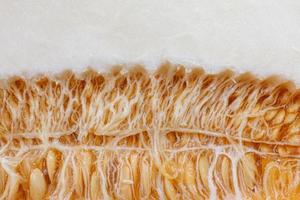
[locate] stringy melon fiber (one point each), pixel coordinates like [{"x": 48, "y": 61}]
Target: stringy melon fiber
[{"x": 174, "y": 133}]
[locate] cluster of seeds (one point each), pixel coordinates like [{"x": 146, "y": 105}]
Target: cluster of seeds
[{"x": 175, "y": 133}]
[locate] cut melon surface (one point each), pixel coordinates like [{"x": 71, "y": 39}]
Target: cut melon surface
[{"x": 174, "y": 133}]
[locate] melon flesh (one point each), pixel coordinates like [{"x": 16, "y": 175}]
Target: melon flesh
[{"x": 175, "y": 133}]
